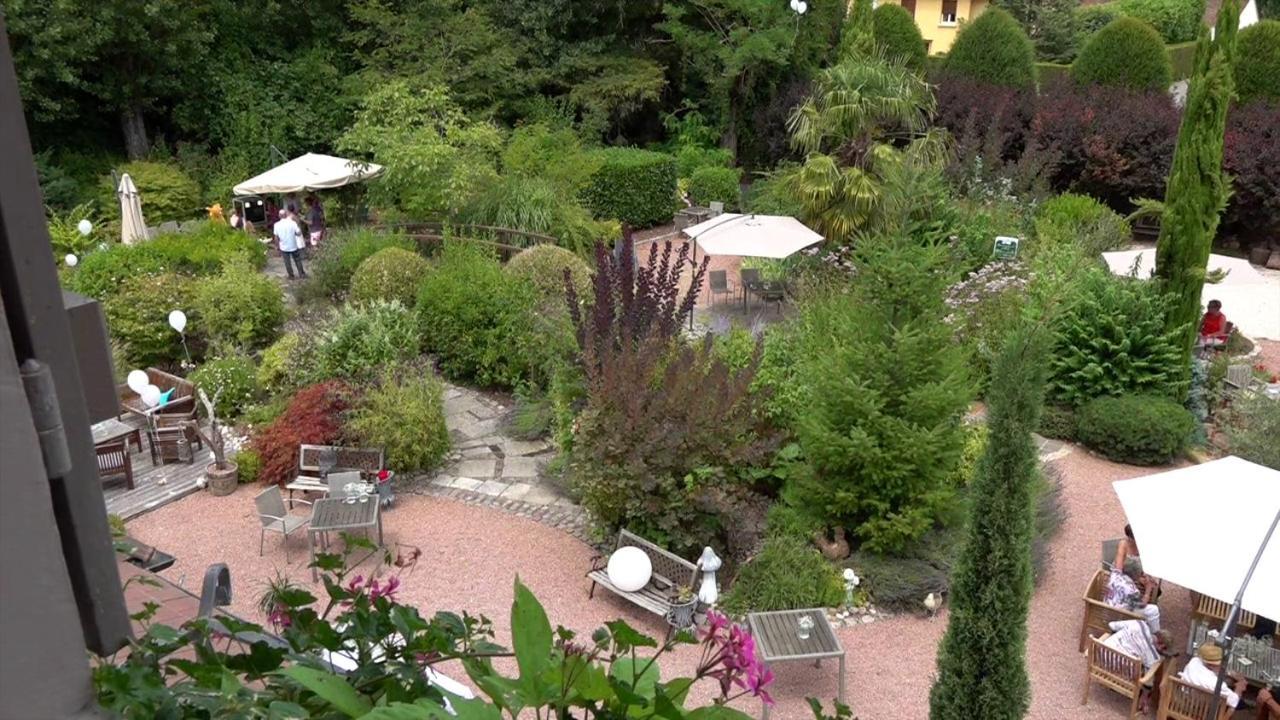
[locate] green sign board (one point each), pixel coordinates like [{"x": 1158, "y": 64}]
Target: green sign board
[{"x": 1006, "y": 248}]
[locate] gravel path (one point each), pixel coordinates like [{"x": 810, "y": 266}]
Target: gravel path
[{"x": 471, "y": 555}]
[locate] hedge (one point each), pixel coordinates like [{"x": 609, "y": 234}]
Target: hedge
[
  {"x": 711, "y": 184},
  {"x": 1049, "y": 73},
  {"x": 1176, "y": 20},
  {"x": 634, "y": 186},
  {"x": 1182, "y": 57},
  {"x": 897, "y": 36},
  {"x": 1135, "y": 429},
  {"x": 1257, "y": 62},
  {"x": 1127, "y": 53},
  {"x": 994, "y": 49}
]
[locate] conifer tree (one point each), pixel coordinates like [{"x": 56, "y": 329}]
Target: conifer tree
[
  {"x": 1197, "y": 190},
  {"x": 982, "y": 670},
  {"x": 856, "y": 36}
]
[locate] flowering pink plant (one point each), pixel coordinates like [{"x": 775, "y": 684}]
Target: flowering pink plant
[{"x": 729, "y": 656}]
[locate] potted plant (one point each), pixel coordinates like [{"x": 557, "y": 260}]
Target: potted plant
[
  {"x": 221, "y": 473},
  {"x": 684, "y": 603}
]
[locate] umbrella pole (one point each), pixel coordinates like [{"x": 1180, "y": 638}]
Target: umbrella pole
[{"x": 1229, "y": 628}]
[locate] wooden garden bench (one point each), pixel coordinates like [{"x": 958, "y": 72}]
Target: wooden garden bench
[
  {"x": 312, "y": 466},
  {"x": 1098, "y": 615},
  {"x": 669, "y": 571}
]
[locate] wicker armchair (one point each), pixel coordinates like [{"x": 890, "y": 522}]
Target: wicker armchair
[
  {"x": 1120, "y": 672},
  {"x": 113, "y": 462}
]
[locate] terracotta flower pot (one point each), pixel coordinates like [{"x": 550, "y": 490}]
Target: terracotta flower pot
[{"x": 224, "y": 481}]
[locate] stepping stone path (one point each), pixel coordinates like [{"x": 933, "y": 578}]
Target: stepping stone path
[{"x": 487, "y": 467}]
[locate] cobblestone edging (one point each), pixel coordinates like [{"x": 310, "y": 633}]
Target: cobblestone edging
[{"x": 568, "y": 518}]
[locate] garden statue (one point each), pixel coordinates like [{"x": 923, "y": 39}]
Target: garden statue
[
  {"x": 851, "y": 582},
  {"x": 709, "y": 563}
]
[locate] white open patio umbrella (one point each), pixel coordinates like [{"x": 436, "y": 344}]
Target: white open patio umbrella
[
  {"x": 1202, "y": 526},
  {"x": 132, "y": 227},
  {"x": 765, "y": 236},
  {"x": 312, "y": 171}
]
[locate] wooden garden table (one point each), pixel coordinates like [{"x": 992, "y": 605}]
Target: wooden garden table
[{"x": 778, "y": 640}]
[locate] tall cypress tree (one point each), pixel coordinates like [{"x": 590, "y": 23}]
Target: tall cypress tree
[
  {"x": 856, "y": 36},
  {"x": 1197, "y": 190},
  {"x": 982, "y": 670}
]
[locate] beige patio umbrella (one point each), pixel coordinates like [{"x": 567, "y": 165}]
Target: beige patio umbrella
[{"x": 132, "y": 227}]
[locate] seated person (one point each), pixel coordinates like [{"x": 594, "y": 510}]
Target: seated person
[
  {"x": 1134, "y": 638},
  {"x": 1214, "y": 328},
  {"x": 1128, "y": 590},
  {"x": 1202, "y": 672},
  {"x": 1268, "y": 706},
  {"x": 1127, "y": 552}
]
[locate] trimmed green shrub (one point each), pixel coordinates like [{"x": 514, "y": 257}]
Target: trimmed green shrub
[
  {"x": 543, "y": 267},
  {"x": 1135, "y": 429},
  {"x": 167, "y": 193},
  {"x": 994, "y": 49},
  {"x": 786, "y": 520},
  {"x": 405, "y": 417},
  {"x": 690, "y": 157},
  {"x": 138, "y": 318},
  {"x": 240, "y": 308},
  {"x": 637, "y": 187},
  {"x": 1176, "y": 20},
  {"x": 1253, "y": 426},
  {"x": 897, "y": 36},
  {"x": 392, "y": 273},
  {"x": 1058, "y": 422},
  {"x": 1257, "y": 62},
  {"x": 233, "y": 379},
  {"x": 477, "y": 319},
  {"x": 357, "y": 341},
  {"x": 337, "y": 258},
  {"x": 710, "y": 184},
  {"x": 788, "y": 574},
  {"x": 1082, "y": 222},
  {"x": 248, "y": 465},
  {"x": 1128, "y": 53},
  {"x": 1112, "y": 341}
]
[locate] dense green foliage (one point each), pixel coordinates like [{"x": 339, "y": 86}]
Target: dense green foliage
[
  {"x": 1176, "y": 20},
  {"x": 635, "y": 186},
  {"x": 544, "y": 266},
  {"x": 1253, "y": 427},
  {"x": 887, "y": 383},
  {"x": 232, "y": 379},
  {"x": 982, "y": 670},
  {"x": 404, "y": 415},
  {"x": 1127, "y": 53},
  {"x": 897, "y": 36},
  {"x": 1135, "y": 429},
  {"x": 1112, "y": 341},
  {"x": 248, "y": 465},
  {"x": 1082, "y": 222},
  {"x": 1051, "y": 24},
  {"x": 358, "y": 341},
  {"x": 710, "y": 184},
  {"x": 392, "y": 273},
  {"x": 333, "y": 265},
  {"x": 138, "y": 318},
  {"x": 1089, "y": 19},
  {"x": 283, "y": 363},
  {"x": 477, "y": 320},
  {"x": 538, "y": 205},
  {"x": 240, "y": 308},
  {"x": 787, "y": 574},
  {"x": 167, "y": 193},
  {"x": 993, "y": 49},
  {"x": 1198, "y": 189},
  {"x": 1257, "y": 65}
]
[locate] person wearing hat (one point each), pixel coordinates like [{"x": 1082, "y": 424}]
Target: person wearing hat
[{"x": 1202, "y": 672}]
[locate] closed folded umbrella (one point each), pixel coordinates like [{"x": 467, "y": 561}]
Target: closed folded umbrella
[{"x": 132, "y": 227}]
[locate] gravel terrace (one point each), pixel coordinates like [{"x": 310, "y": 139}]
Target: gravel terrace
[{"x": 471, "y": 555}]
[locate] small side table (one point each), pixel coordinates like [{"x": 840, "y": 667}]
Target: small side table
[{"x": 778, "y": 640}]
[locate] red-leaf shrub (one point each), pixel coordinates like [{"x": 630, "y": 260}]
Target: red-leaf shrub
[
  {"x": 313, "y": 417},
  {"x": 1251, "y": 157},
  {"x": 970, "y": 107}
]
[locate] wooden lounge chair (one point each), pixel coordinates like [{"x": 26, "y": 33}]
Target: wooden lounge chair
[
  {"x": 1098, "y": 615},
  {"x": 669, "y": 571},
  {"x": 113, "y": 462},
  {"x": 182, "y": 401},
  {"x": 1180, "y": 700},
  {"x": 1118, "y": 671},
  {"x": 275, "y": 516}
]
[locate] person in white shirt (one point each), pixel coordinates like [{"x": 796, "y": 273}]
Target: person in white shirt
[
  {"x": 1135, "y": 639},
  {"x": 1202, "y": 672},
  {"x": 289, "y": 238}
]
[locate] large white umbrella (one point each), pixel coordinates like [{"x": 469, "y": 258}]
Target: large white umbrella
[
  {"x": 1202, "y": 526},
  {"x": 312, "y": 171},
  {"x": 1249, "y": 299},
  {"x": 132, "y": 227},
  {"x": 765, "y": 236}
]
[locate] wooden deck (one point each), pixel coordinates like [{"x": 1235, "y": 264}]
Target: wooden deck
[{"x": 154, "y": 486}]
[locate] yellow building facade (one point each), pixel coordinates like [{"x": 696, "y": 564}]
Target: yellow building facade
[{"x": 939, "y": 20}]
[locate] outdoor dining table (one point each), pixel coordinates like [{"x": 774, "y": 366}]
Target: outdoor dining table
[
  {"x": 777, "y": 636},
  {"x": 336, "y": 514},
  {"x": 111, "y": 429},
  {"x": 1259, "y": 662},
  {"x": 767, "y": 290}
]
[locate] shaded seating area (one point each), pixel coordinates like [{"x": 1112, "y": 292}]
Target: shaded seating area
[
  {"x": 1119, "y": 672},
  {"x": 1180, "y": 700}
]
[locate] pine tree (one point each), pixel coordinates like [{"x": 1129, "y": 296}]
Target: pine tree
[
  {"x": 1197, "y": 190},
  {"x": 856, "y": 36},
  {"x": 982, "y": 670}
]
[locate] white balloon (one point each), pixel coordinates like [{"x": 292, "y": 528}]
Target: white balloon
[
  {"x": 802, "y": 7},
  {"x": 178, "y": 320},
  {"x": 137, "y": 380},
  {"x": 85, "y": 227},
  {"x": 71, "y": 260},
  {"x": 795, "y": 5},
  {"x": 150, "y": 395}
]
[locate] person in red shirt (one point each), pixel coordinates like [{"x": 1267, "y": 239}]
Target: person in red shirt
[{"x": 1214, "y": 328}]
